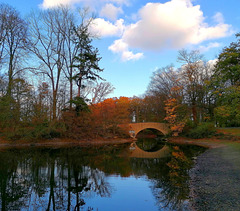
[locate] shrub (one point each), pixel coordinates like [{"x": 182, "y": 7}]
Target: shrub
[
  {"x": 202, "y": 131},
  {"x": 188, "y": 127},
  {"x": 37, "y": 131}
]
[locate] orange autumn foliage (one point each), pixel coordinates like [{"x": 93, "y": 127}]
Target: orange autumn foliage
[
  {"x": 110, "y": 113},
  {"x": 173, "y": 109}
]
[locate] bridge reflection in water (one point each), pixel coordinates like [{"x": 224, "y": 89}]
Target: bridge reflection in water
[{"x": 136, "y": 152}]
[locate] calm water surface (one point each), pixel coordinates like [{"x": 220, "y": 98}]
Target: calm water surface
[{"x": 140, "y": 176}]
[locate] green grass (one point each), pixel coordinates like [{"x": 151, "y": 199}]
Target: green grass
[
  {"x": 234, "y": 145},
  {"x": 235, "y": 131}
]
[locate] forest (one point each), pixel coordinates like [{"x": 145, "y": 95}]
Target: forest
[{"x": 51, "y": 84}]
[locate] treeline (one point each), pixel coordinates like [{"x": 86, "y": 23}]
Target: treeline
[
  {"x": 49, "y": 69},
  {"x": 51, "y": 84},
  {"x": 200, "y": 91},
  {"x": 196, "y": 97}
]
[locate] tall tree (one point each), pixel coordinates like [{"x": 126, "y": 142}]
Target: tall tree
[
  {"x": 226, "y": 85},
  {"x": 71, "y": 47},
  {"x": 48, "y": 39},
  {"x": 86, "y": 61},
  {"x": 193, "y": 74},
  {"x": 163, "y": 80},
  {"x": 13, "y": 36},
  {"x": 227, "y": 69},
  {"x": 159, "y": 89}
]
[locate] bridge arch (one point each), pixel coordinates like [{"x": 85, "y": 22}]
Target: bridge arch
[{"x": 135, "y": 128}]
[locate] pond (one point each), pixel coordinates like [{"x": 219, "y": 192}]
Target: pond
[{"x": 138, "y": 176}]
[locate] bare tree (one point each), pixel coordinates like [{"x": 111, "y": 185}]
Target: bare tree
[
  {"x": 194, "y": 73},
  {"x": 13, "y": 38},
  {"x": 163, "y": 80},
  {"x": 48, "y": 40},
  {"x": 3, "y": 13},
  {"x": 101, "y": 91}
]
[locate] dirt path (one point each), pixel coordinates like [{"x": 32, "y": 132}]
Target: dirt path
[{"x": 215, "y": 179}]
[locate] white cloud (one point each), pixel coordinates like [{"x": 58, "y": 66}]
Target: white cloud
[
  {"x": 129, "y": 55},
  {"x": 209, "y": 46},
  {"x": 104, "y": 28},
  {"x": 119, "y": 2},
  {"x": 170, "y": 25},
  {"x": 110, "y": 11},
  {"x": 118, "y": 46},
  {"x": 122, "y": 48},
  {"x": 218, "y": 18},
  {"x": 89, "y": 3},
  {"x": 53, "y": 3},
  {"x": 173, "y": 24}
]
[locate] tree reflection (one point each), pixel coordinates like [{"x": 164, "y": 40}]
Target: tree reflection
[
  {"x": 175, "y": 190},
  {"x": 44, "y": 179},
  {"x": 169, "y": 175},
  {"x": 52, "y": 185},
  {"x": 12, "y": 185},
  {"x": 62, "y": 179},
  {"x": 172, "y": 190}
]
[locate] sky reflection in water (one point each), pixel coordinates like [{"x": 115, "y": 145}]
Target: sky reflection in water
[{"x": 96, "y": 178}]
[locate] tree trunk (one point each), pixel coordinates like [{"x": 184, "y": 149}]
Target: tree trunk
[
  {"x": 54, "y": 109},
  {"x": 10, "y": 76},
  {"x": 71, "y": 93},
  {"x": 194, "y": 113},
  {"x": 79, "y": 83}
]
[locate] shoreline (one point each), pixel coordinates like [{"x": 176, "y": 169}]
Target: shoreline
[
  {"x": 60, "y": 142},
  {"x": 214, "y": 176},
  {"x": 213, "y": 180},
  {"x": 209, "y": 143}
]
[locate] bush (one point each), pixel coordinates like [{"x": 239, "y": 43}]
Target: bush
[
  {"x": 188, "y": 127},
  {"x": 44, "y": 130},
  {"x": 203, "y": 130}
]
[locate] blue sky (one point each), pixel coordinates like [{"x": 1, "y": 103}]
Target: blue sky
[{"x": 137, "y": 37}]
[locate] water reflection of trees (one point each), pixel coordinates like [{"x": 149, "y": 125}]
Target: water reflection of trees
[
  {"x": 169, "y": 176},
  {"x": 174, "y": 189},
  {"x": 44, "y": 179},
  {"x": 60, "y": 179}
]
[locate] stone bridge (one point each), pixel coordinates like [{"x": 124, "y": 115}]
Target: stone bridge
[{"x": 135, "y": 128}]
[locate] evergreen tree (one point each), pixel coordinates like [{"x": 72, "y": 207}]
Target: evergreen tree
[{"x": 87, "y": 59}]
